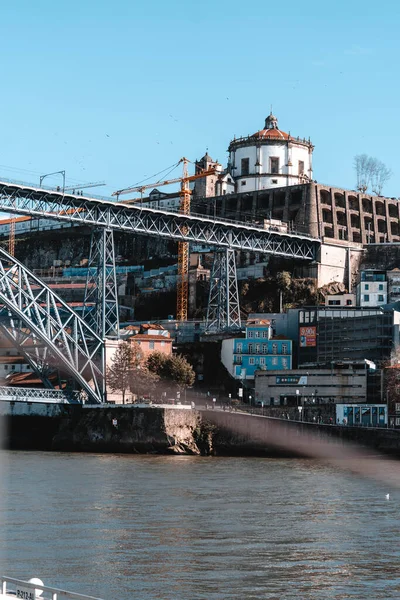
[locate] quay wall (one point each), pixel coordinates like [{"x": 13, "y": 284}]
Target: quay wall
[{"x": 167, "y": 430}]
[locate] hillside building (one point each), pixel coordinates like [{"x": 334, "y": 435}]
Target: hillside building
[
  {"x": 258, "y": 349},
  {"x": 269, "y": 158},
  {"x": 372, "y": 289}
]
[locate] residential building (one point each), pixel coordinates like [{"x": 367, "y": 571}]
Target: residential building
[
  {"x": 372, "y": 288},
  {"x": 343, "y": 299},
  {"x": 258, "y": 349},
  {"x": 152, "y": 337}
]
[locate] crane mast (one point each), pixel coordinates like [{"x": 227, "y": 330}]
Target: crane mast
[
  {"x": 183, "y": 247},
  {"x": 182, "y": 288}
]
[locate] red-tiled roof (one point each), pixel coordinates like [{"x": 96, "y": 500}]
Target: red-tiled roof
[
  {"x": 152, "y": 326},
  {"x": 271, "y": 134},
  {"x": 149, "y": 338}
]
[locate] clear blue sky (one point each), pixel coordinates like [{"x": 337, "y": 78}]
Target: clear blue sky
[{"x": 118, "y": 90}]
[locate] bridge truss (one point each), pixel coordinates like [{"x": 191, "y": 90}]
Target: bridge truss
[
  {"x": 37, "y": 202},
  {"x": 48, "y": 333},
  {"x": 107, "y": 216}
]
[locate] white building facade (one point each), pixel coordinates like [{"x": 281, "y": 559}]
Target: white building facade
[
  {"x": 269, "y": 158},
  {"x": 372, "y": 289}
]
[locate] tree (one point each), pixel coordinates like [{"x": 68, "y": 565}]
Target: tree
[
  {"x": 173, "y": 369},
  {"x": 143, "y": 381},
  {"x": 180, "y": 371},
  {"x": 381, "y": 175},
  {"x": 119, "y": 375},
  {"x": 371, "y": 172},
  {"x": 155, "y": 362},
  {"x": 362, "y": 165}
]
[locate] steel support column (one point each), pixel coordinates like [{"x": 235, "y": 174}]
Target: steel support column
[
  {"x": 223, "y": 311},
  {"x": 101, "y": 296}
]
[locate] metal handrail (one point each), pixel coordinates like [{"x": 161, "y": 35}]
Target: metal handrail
[{"x": 52, "y": 593}]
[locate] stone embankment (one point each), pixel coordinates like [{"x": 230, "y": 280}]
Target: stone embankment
[{"x": 174, "y": 430}]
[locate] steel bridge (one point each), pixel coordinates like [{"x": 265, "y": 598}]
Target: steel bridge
[
  {"x": 220, "y": 233},
  {"x": 51, "y": 331},
  {"x": 47, "y": 332}
]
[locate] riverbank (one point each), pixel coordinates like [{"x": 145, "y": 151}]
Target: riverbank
[{"x": 173, "y": 430}]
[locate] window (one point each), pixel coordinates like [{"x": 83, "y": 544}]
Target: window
[
  {"x": 257, "y": 334},
  {"x": 380, "y": 297},
  {"x": 265, "y": 334},
  {"x": 250, "y": 348},
  {"x": 274, "y": 181},
  {"x": 245, "y": 166},
  {"x": 250, "y": 334},
  {"x": 6, "y": 367},
  {"x": 366, "y": 286},
  {"x": 251, "y": 360},
  {"x": 239, "y": 348},
  {"x": 349, "y": 302},
  {"x": 274, "y": 361},
  {"x": 151, "y": 345},
  {"x": 274, "y": 164},
  {"x": 243, "y": 183},
  {"x": 381, "y": 287},
  {"x": 274, "y": 348},
  {"x": 265, "y": 348},
  {"x": 257, "y": 348},
  {"x": 334, "y": 302},
  {"x": 284, "y": 348},
  {"x": 366, "y": 297},
  {"x": 238, "y": 359},
  {"x": 285, "y": 363},
  {"x": 301, "y": 167}
]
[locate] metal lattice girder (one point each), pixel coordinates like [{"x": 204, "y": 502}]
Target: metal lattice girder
[
  {"x": 37, "y": 202},
  {"x": 51, "y": 334},
  {"x": 223, "y": 311},
  {"x": 101, "y": 296},
  {"x": 38, "y": 395}
]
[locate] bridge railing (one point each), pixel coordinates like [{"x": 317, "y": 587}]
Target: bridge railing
[{"x": 30, "y": 591}]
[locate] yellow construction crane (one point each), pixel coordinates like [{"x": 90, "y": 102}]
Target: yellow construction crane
[
  {"x": 183, "y": 247},
  {"x": 11, "y": 237}
]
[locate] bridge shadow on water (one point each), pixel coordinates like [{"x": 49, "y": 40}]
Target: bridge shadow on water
[{"x": 361, "y": 451}]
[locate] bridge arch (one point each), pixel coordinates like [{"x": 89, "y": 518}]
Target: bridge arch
[{"x": 56, "y": 333}]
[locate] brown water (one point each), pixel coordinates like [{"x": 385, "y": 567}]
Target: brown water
[{"x": 172, "y": 528}]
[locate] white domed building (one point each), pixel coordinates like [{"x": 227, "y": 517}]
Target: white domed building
[{"x": 269, "y": 158}]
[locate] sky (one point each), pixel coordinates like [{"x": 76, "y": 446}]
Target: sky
[{"x": 119, "y": 91}]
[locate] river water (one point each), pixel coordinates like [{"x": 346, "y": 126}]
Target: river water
[{"x": 187, "y": 528}]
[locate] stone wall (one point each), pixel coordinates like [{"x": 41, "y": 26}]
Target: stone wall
[{"x": 179, "y": 431}]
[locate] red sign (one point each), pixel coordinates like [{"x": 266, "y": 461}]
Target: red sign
[{"x": 308, "y": 337}]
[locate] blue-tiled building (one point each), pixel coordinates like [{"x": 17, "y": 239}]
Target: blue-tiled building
[{"x": 257, "y": 350}]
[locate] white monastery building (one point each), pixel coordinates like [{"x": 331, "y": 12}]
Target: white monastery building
[{"x": 268, "y": 158}]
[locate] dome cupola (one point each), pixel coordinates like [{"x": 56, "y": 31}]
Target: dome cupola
[{"x": 271, "y": 122}]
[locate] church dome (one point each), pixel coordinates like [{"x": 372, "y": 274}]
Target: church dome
[{"x": 271, "y": 130}]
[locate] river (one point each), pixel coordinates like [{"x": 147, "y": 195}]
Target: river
[{"x": 126, "y": 527}]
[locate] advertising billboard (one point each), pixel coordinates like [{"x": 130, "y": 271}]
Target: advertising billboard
[{"x": 308, "y": 336}]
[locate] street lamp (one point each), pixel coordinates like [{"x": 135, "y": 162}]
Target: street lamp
[{"x": 54, "y": 173}]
